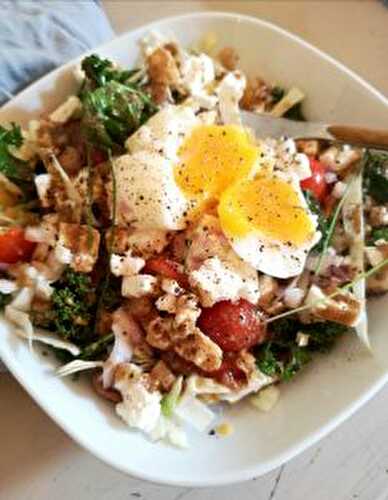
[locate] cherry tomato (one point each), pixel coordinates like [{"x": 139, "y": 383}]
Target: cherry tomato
[
  {"x": 167, "y": 268},
  {"x": 233, "y": 326},
  {"x": 97, "y": 156},
  {"x": 329, "y": 204},
  {"x": 316, "y": 183},
  {"x": 14, "y": 247},
  {"x": 229, "y": 373}
]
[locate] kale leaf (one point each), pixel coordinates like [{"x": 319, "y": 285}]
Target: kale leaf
[
  {"x": 100, "y": 71},
  {"x": 114, "y": 108},
  {"x": 323, "y": 221},
  {"x": 282, "y": 357},
  {"x": 376, "y": 175},
  {"x": 16, "y": 170}
]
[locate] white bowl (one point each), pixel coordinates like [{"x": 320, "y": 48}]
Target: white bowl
[{"x": 328, "y": 391}]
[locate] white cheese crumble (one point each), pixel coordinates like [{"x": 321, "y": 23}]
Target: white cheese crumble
[
  {"x": 126, "y": 265},
  {"x": 217, "y": 280},
  {"x": 140, "y": 408},
  {"x": 230, "y": 91},
  {"x": 42, "y": 184}
]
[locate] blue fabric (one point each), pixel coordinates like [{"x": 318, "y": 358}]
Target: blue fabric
[{"x": 38, "y": 35}]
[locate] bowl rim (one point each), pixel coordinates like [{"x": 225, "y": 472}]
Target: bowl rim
[{"x": 238, "y": 475}]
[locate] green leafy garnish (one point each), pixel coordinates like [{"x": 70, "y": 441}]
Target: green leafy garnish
[
  {"x": 379, "y": 233},
  {"x": 100, "y": 71},
  {"x": 113, "y": 106},
  {"x": 5, "y": 299},
  {"x": 323, "y": 221},
  {"x": 282, "y": 357},
  {"x": 16, "y": 170},
  {"x": 375, "y": 167},
  {"x": 73, "y": 308}
]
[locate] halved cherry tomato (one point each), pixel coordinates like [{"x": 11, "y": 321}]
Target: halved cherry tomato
[
  {"x": 329, "y": 204},
  {"x": 167, "y": 268},
  {"x": 233, "y": 326},
  {"x": 14, "y": 247},
  {"x": 229, "y": 373},
  {"x": 316, "y": 183},
  {"x": 97, "y": 156}
]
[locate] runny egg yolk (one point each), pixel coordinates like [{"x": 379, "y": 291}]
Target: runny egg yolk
[
  {"x": 267, "y": 205},
  {"x": 212, "y": 158}
]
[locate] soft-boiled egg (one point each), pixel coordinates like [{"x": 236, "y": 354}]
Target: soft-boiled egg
[{"x": 268, "y": 223}]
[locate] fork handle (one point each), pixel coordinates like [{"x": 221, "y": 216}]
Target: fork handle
[{"x": 360, "y": 136}]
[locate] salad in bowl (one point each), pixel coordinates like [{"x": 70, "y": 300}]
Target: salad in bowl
[{"x": 183, "y": 261}]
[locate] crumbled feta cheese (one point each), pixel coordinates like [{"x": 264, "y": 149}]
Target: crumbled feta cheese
[
  {"x": 230, "y": 91},
  {"x": 43, "y": 184},
  {"x": 293, "y": 297},
  {"x": 139, "y": 408},
  {"x": 138, "y": 285},
  {"x": 302, "y": 166},
  {"x": 67, "y": 110},
  {"x": 197, "y": 72},
  {"x": 62, "y": 254},
  {"x": 217, "y": 281},
  {"x": 7, "y": 286},
  {"x": 126, "y": 265}
]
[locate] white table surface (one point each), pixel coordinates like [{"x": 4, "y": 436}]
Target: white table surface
[{"x": 39, "y": 462}]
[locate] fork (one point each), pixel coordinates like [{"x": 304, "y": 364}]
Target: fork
[{"x": 269, "y": 126}]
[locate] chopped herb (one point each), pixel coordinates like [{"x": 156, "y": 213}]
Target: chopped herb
[
  {"x": 380, "y": 233},
  {"x": 323, "y": 221},
  {"x": 73, "y": 308},
  {"x": 16, "y": 170},
  {"x": 5, "y": 298},
  {"x": 282, "y": 357},
  {"x": 375, "y": 167}
]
